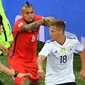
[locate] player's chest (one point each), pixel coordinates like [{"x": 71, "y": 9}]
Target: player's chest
[
  {"x": 62, "y": 54},
  {"x": 66, "y": 49},
  {"x": 27, "y": 37}
]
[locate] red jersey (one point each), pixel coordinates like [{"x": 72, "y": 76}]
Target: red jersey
[{"x": 25, "y": 43}]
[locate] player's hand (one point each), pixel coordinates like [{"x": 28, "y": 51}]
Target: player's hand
[
  {"x": 82, "y": 74},
  {"x": 4, "y": 50},
  {"x": 48, "y": 21},
  {"x": 41, "y": 73},
  {"x": 20, "y": 75},
  {"x": 12, "y": 71}
]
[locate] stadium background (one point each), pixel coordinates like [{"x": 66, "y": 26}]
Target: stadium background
[{"x": 71, "y": 11}]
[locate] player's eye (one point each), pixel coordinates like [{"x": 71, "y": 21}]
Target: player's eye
[
  {"x": 27, "y": 12},
  {"x": 32, "y": 12}
]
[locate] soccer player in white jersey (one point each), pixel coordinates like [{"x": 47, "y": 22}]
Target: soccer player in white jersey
[{"x": 59, "y": 52}]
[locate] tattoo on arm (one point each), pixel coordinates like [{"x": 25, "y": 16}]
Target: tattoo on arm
[{"x": 31, "y": 26}]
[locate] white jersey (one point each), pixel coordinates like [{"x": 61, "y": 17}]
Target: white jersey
[{"x": 60, "y": 61}]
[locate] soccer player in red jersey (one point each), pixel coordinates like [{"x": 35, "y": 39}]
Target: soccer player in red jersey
[
  {"x": 22, "y": 55},
  {"x": 5, "y": 69}
]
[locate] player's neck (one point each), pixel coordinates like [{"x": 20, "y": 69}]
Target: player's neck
[{"x": 61, "y": 40}]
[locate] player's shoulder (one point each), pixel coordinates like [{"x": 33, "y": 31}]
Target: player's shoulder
[
  {"x": 19, "y": 22},
  {"x": 72, "y": 37},
  {"x": 38, "y": 17},
  {"x": 49, "y": 41}
]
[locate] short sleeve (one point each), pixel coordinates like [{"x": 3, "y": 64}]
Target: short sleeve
[
  {"x": 45, "y": 50},
  {"x": 79, "y": 46},
  {"x": 17, "y": 25}
]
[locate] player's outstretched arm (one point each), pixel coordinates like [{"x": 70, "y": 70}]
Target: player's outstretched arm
[
  {"x": 12, "y": 72},
  {"x": 6, "y": 70},
  {"x": 34, "y": 25},
  {"x": 82, "y": 73},
  {"x": 31, "y": 26}
]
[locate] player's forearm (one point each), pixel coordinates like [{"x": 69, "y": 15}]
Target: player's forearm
[
  {"x": 6, "y": 70},
  {"x": 32, "y": 26},
  {"x": 49, "y": 23},
  {"x": 40, "y": 63},
  {"x": 82, "y": 56}
]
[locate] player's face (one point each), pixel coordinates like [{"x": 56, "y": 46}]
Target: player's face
[
  {"x": 54, "y": 33},
  {"x": 28, "y": 14}
]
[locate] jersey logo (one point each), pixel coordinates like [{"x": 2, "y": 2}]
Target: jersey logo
[
  {"x": 63, "y": 50},
  {"x": 56, "y": 51},
  {"x": 81, "y": 44},
  {"x": 70, "y": 47},
  {"x": 20, "y": 24},
  {"x": 33, "y": 38}
]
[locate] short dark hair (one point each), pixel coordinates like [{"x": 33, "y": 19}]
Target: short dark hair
[{"x": 60, "y": 24}]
